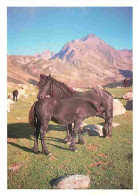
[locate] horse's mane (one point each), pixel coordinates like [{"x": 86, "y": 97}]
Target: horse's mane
[{"x": 58, "y": 89}]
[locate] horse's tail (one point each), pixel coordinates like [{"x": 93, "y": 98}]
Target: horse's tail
[{"x": 32, "y": 115}]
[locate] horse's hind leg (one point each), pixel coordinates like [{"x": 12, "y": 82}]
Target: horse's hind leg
[
  {"x": 36, "y": 135},
  {"x": 42, "y": 137}
]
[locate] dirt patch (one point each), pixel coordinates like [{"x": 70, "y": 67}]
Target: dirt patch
[
  {"x": 92, "y": 147},
  {"x": 97, "y": 164},
  {"x": 15, "y": 167},
  {"x": 11, "y": 140}
]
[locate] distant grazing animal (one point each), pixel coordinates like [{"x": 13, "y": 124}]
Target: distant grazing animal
[
  {"x": 61, "y": 111},
  {"x": 50, "y": 86},
  {"x": 15, "y": 95},
  {"x": 126, "y": 82}
]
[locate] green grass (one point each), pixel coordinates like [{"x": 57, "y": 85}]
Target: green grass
[{"x": 108, "y": 162}]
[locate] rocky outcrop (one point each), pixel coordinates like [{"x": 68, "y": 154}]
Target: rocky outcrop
[
  {"x": 128, "y": 95},
  {"x": 118, "y": 108},
  {"x": 72, "y": 182},
  {"x": 93, "y": 130}
]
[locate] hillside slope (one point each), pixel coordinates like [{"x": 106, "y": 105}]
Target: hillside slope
[{"x": 85, "y": 62}]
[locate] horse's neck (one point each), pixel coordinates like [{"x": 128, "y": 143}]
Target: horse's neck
[{"x": 60, "y": 92}]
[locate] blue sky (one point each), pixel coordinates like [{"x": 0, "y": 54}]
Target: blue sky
[{"x": 31, "y": 30}]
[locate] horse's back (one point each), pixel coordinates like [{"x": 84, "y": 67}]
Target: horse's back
[{"x": 103, "y": 97}]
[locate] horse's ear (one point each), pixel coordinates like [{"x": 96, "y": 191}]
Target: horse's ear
[
  {"x": 42, "y": 75},
  {"x": 49, "y": 77}
]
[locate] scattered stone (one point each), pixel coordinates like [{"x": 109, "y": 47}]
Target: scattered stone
[
  {"x": 93, "y": 130},
  {"x": 118, "y": 108},
  {"x": 33, "y": 93},
  {"x": 119, "y": 87},
  {"x": 10, "y": 96},
  {"x": 115, "y": 124},
  {"x": 72, "y": 182},
  {"x": 99, "y": 87},
  {"x": 26, "y": 95},
  {"x": 9, "y": 102},
  {"x": 21, "y": 91},
  {"x": 128, "y": 95}
]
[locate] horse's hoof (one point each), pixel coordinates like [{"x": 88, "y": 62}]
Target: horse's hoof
[
  {"x": 65, "y": 139},
  {"x": 108, "y": 136},
  {"x": 46, "y": 153},
  {"x": 36, "y": 152},
  {"x": 74, "y": 150},
  {"x": 81, "y": 142}
]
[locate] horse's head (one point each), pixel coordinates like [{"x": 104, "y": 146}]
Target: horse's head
[
  {"x": 50, "y": 86},
  {"x": 44, "y": 86}
]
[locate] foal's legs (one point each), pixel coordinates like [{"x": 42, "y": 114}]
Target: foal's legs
[
  {"x": 36, "y": 135},
  {"x": 68, "y": 135},
  {"x": 107, "y": 129},
  {"x": 42, "y": 137},
  {"x": 77, "y": 125},
  {"x": 80, "y": 138}
]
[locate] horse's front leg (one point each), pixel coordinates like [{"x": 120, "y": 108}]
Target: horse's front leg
[{"x": 42, "y": 137}]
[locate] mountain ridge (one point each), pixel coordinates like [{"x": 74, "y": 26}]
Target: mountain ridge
[{"x": 87, "y": 61}]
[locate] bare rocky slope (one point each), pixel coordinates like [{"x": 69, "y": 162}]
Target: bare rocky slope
[{"x": 80, "y": 63}]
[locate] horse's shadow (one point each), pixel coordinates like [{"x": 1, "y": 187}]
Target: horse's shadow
[{"x": 24, "y": 130}]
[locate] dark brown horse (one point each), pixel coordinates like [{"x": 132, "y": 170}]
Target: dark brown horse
[
  {"x": 50, "y": 86},
  {"x": 126, "y": 81},
  {"x": 15, "y": 95},
  {"x": 61, "y": 111}
]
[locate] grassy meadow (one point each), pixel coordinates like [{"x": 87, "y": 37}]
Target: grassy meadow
[{"x": 108, "y": 162}]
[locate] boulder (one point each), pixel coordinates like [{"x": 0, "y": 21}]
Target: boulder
[
  {"x": 118, "y": 108},
  {"x": 10, "y": 96},
  {"x": 129, "y": 105},
  {"x": 9, "y": 102},
  {"x": 72, "y": 182},
  {"x": 128, "y": 95},
  {"x": 93, "y": 130}
]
